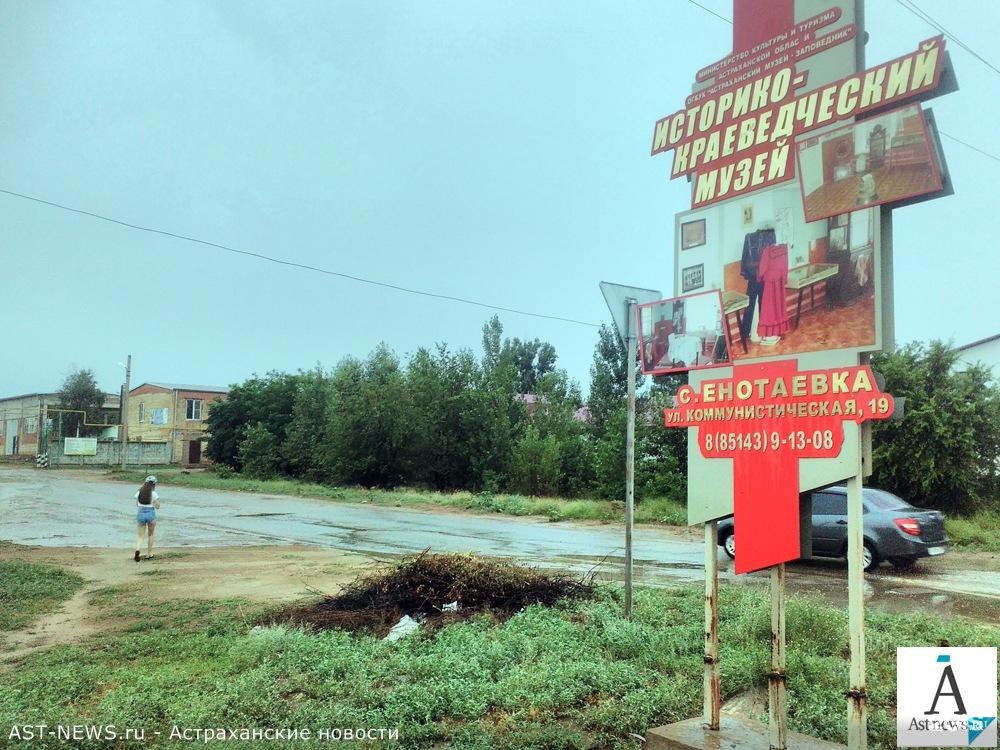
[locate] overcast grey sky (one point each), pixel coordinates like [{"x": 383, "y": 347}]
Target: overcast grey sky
[{"x": 495, "y": 151}]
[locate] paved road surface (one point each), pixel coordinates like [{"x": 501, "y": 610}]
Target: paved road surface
[{"x": 48, "y": 508}]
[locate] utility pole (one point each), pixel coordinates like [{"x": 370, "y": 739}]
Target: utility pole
[
  {"x": 623, "y": 303},
  {"x": 123, "y": 427},
  {"x": 630, "y": 455}
]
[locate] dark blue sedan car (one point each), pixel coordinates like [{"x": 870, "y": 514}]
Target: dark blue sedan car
[{"x": 894, "y": 529}]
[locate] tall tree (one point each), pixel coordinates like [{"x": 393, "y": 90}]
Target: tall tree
[
  {"x": 945, "y": 452},
  {"x": 371, "y": 427},
  {"x": 450, "y": 411},
  {"x": 498, "y": 386},
  {"x": 532, "y": 361},
  {"x": 268, "y": 400},
  {"x": 608, "y": 377},
  {"x": 79, "y": 393},
  {"x": 307, "y": 430}
]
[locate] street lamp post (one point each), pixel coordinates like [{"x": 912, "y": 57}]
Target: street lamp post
[{"x": 123, "y": 427}]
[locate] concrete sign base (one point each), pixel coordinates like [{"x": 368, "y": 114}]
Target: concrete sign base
[{"x": 733, "y": 732}]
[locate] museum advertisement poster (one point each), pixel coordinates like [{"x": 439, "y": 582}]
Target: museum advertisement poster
[
  {"x": 791, "y": 148},
  {"x": 795, "y": 148}
]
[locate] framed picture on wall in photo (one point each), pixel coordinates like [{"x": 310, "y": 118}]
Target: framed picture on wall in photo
[
  {"x": 692, "y": 234},
  {"x": 693, "y": 277}
]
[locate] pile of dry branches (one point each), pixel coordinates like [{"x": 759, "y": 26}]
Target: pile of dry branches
[{"x": 423, "y": 585}]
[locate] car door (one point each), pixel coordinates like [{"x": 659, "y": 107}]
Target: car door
[{"x": 829, "y": 523}]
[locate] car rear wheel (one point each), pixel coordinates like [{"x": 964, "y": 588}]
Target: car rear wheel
[
  {"x": 729, "y": 545},
  {"x": 869, "y": 557}
]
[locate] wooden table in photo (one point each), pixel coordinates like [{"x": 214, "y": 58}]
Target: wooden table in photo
[
  {"x": 808, "y": 276},
  {"x": 736, "y": 302}
]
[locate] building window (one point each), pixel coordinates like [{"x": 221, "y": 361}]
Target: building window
[
  {"x": 30, "y": 425},
  {"x": 142, "y": 412},
  {"x": 159, "y": 416},
  {"x": 194, "y": 408}
]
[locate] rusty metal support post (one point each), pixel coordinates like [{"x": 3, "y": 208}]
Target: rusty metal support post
[
  {"x": 776, "y": 699},
  {"x": 857, "y": 710},
  {"x": 630, "y": 453},
  {"x": 712, "y": 698}
]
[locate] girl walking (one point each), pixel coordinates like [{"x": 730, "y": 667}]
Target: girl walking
[{"x": 147, "y": 502}]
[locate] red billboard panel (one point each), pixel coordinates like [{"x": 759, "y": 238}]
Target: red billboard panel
[{"x": 766, "y": 418}]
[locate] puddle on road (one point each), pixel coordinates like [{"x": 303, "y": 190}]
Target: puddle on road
[
  {"x": 331, "y": 525},
  {"x": 259, "y": 515},
  {"x": 904, "y": 592},
  {"x": 636, "y": 562}
]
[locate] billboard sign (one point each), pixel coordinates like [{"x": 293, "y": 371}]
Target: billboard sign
[
  {"x": 682, "y": 333},
  {"x": 739, "y": 139},
  {"x": 80, "y": 446},
  {"x": 795, "y": 149},
  {"x": 765, "y": 418}
]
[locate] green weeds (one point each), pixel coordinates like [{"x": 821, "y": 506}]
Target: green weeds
[
  {"x": 573, "y": 675},
  {"x": 28, "y": 590}
]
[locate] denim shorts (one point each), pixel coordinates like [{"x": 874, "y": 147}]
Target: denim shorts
[{"x": 145, "y": 514}]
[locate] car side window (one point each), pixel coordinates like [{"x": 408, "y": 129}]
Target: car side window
[{"x": 829, "y": 504}]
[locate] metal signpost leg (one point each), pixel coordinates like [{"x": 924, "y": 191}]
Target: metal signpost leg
[
  {"x": 857, "y": 712},
  {"x": 712, "y": 696},
  {"x": 777, "y": 708},
  {"x": 630, "y": 457}
]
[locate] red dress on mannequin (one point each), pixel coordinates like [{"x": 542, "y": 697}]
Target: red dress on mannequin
[{"x": 773, "y": 273}]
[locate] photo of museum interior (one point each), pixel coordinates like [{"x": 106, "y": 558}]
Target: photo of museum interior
[
  {"x": 880, "y": 160},
  {"x": 682, "y": 334},
  {"x": 788, "y": 285}
]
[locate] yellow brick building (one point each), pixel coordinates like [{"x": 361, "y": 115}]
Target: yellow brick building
[{"x": 173, "y": 413}]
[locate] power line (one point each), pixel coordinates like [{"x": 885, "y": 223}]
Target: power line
[
  {"x": 294, "y": 264},
  {"x": 994, "y": 157},
  {"x": 915, "y": 10},
  {"x": 709, "y": 10}
]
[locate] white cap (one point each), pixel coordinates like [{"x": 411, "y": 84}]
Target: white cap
[{"x": 151, "y": 478}]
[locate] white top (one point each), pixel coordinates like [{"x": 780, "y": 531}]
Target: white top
[{"x": 155, "y": 499}]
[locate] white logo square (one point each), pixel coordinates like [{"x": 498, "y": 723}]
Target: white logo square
[{"x": 946, "y": 697}]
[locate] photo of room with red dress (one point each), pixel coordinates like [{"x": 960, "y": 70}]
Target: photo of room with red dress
[{"x": 788, "y": 286}]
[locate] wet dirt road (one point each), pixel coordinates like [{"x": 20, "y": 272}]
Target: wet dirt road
[{"x": 50, "y": 509}]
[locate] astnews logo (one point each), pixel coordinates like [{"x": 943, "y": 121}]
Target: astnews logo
[{"x": 946, "y": 697}]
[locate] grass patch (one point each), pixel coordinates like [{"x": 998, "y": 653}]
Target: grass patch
[
  {"x": 575, "y": 674},
  {"x": 980, "y": 531},
  {"x": 651, "y": 510},
  {"x": 28, "y": 590}
]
